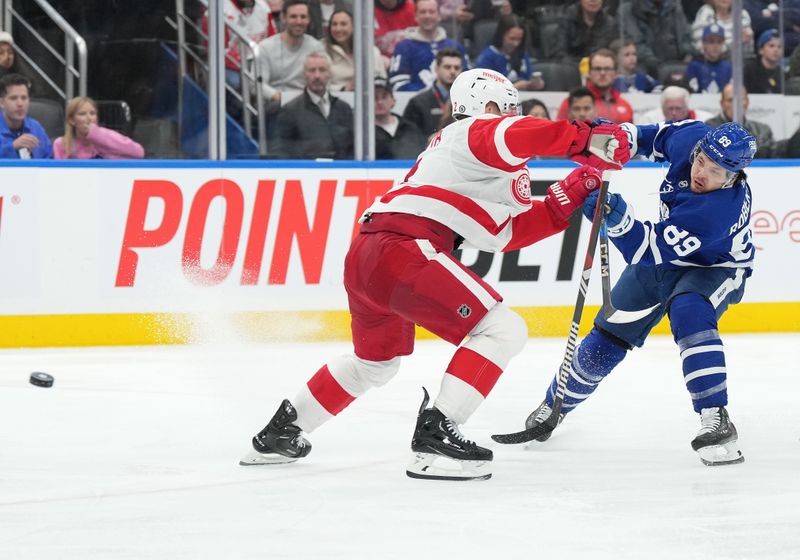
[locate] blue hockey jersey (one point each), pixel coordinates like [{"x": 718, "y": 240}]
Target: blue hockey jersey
[
  {"x": 708, "y": 77},
  {"x": 413, "y": 66},
  {"x": 700, "y": 230},
  {"x": 493, "y": 59}
]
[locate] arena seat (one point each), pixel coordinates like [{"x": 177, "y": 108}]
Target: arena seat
[
  {"x": 792, "y": 86},
  {"x": 483, "y": 33},
  {"x": 116, "y": 115},
  {"x": 558, "y": 76},
  {"x": 50, "y": 114},
  {"x": 671, "y": 71}
]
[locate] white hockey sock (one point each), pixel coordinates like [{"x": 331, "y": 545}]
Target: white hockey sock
[
  {"x": 457, "y": 399},
  {"x": 310, "y": 414}
]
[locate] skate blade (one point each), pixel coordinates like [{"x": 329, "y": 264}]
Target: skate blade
[
  {"x": 718, "y": 455},
  {"x": 437, "y": 467},
  {"x": 256, "y": 458}
]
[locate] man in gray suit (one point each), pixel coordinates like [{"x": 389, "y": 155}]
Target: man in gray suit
[{"x": 315, "y": 124}]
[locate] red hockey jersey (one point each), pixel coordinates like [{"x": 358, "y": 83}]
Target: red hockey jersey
[{"x": 473, "y": 178}]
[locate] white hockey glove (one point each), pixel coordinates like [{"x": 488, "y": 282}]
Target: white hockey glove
[{"x": 601, "y": 145}]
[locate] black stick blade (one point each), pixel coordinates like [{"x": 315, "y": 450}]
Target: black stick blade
[{"x": 527, "y": 435}]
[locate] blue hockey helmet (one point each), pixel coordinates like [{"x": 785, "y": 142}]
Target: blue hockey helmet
[{"x": 730, "y": 146}]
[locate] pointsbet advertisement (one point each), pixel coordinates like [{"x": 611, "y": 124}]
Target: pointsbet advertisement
[{"x": 124, "y": 255}]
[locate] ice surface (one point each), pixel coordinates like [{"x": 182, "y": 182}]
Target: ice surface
[{"x": 133, "y": 454}]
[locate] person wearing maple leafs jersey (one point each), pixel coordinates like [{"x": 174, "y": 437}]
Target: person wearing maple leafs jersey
[{"x": 471, "y": 185}]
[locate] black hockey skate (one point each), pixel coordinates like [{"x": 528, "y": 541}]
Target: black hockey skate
[
  {"x": 281, "y": 441},
  {"x": 542, "y": 413},
  {"x": 716, "y": 442},
  {"x": 441, "y": 452}
]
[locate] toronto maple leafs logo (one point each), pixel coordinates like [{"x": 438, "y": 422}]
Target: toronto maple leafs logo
[{"x": 521, "y": 188}]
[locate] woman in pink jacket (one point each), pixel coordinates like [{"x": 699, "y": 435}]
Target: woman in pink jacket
[{"x": 84, "y": 139}]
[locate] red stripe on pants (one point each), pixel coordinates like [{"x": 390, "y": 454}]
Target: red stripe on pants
[
  {"x": 328, "y": 392},
  {"x": 472, "y": 368}
]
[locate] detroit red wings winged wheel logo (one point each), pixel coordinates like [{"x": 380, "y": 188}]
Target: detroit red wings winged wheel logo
[{"x": 521, "y": 189}]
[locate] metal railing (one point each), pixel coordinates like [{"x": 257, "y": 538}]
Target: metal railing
[
  {"x": 249, "y": 71},
  {"x": 74, "y": 45}
]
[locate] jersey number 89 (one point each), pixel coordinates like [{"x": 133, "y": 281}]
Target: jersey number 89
[{"x": 680, "y": 241}]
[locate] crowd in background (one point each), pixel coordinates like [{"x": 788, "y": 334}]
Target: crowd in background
[
  {"x": 24, "y": 137},
  {"x": 608, "y": 48}
]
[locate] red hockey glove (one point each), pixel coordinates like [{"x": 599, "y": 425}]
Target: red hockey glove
[
  {"x": 565, "y": 196},
  {"x": 583, "y": 130},
  {"x": 604, "y": 146}
]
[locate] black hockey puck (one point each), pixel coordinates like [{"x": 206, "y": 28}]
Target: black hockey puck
[{"x": 41, "y": 379}]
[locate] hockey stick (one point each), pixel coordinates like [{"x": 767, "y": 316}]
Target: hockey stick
[
  {"x": 563, "y": 374},
  {"x": 608, "y": 311}
]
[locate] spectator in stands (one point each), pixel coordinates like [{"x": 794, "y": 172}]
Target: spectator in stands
[
  {"x": 445, "y": 120},
  {"x": 21, "y": 137},
  {"x": 455, "y": 16},
  {"x": 792, "y": 147},
  {"x": 764, "y": 14},
  {"x": 321, "y": 12},
  {"x": 581, "y": 105},
  {"x": 767, "y": 14},
  {"x": 535, "y": 108},
  {"x": 392, "y": 18},
  {"x": 719, "y": 12},
  {"x": 584, "y": 29},
  {"x": 84, "y": 139},
  {"x": 275, "y": 9},
  {"x": 8, "y": 58},
  {"x": 690, "y": 8},
  {"x": 763, "y": 74},
  {"x": 395, "y": 137},
  {"x": 427, "y": 109},
  {"x": 674, "y": 107},
  {"x": 794, "y": 65},
  {"x": 543, "y": 19},
  {"x": 315, "y": 124},
  {"x": 252, "y": 17},
  {"x": 480, "y": 12},
  {"x": 339, "y": 46},
  {"x": 710, "y": 73},
  {"x": 608, "y": 101},
  {"x": 10, "y": 63},
  {"x": 660, "y": 30},
  {"x": 629, "y": 77},
  {"x": 412, "y": 63},
  {"x": 281, "y": 56},
  {"x": 767, "y": 147},
  {"x": 791, "y": 26},
  {"x": 509, "y": 56}
]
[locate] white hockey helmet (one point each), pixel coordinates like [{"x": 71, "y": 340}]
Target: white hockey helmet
[{"x": 473, "y": 89}]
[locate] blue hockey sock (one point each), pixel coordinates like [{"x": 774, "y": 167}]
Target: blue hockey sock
[
  {"x": 694, "y": 327},
  {"x": 594, "y": 358}
]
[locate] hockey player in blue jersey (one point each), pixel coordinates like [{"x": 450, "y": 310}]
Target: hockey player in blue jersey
[{"x": 690, "y": 265}]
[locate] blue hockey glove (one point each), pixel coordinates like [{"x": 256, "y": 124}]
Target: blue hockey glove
[{"x": 619, "y": 214}]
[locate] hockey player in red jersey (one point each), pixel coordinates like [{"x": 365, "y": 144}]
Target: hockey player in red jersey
[{"x": 470, "y": 185}]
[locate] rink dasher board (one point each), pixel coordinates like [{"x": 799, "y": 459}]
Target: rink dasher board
[{"x": 153, "y": 252}]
